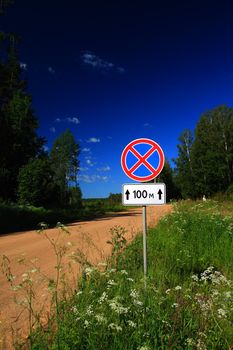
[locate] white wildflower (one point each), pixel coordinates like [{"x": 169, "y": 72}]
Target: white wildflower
[
  {"x": 134, "y": 294},
  {"x": 190, "y": 341},
  {"x": 86, "y": 324},
  {"x": 112, "y": 270},
  {"x": 118, "y": 307},
  {"x": 131, "y": 324},
  {"x": 130, "y": 279},
  {"x": 88, "y": 270},
  {"x": 103, "y": 298},
  {"x": 195, "y": 278},
  {"x": 79, "y": 292},
  {"x": 74, "y": 309},
  {"x": 124, "y": 272},
  {"x": 114, "y": 327},
  {"x": 178, "y": 288},
  {"x": 111, "y": 283},
  {"x": 144, "y": 347},
  {"x": 222, "y": 313},
  {"x": 89, "y": 311},
  {"x": 100, "y": 319},
  {"x": 175, "y": 305},
  {"x": 168, "y": 291},
  {"x": 137, "y": 302}
]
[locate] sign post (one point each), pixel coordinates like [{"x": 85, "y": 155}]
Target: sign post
[
  {"x": 144, "y": 223},
  {"x": 143, "y": 160}
]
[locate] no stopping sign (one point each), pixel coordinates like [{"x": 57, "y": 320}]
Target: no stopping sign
[{"x": 142, "y": 160}]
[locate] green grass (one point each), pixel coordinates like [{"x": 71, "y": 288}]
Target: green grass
[{"x": 188, "y": 303}]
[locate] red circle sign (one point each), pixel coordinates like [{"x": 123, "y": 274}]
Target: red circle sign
[{"x": 142, "y": 160}]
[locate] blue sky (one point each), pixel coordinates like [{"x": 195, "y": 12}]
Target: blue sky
[{"x": 114, "y": 71}]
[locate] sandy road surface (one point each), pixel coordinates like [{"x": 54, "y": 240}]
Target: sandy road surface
[{"x": 90, "y": 237}]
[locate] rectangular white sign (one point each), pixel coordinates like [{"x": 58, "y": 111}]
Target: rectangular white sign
[{"x": 144, "y": 194}]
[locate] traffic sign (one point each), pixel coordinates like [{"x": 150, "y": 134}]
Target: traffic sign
[
  {"x": 142, "y": 160},
  {"x": 144, "y": 194}
]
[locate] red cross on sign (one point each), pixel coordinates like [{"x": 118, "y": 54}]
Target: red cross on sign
[{"x": 141, "y": 158}]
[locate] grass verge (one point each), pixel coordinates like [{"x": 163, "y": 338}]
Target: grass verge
[{"x": 188, "y": 303}]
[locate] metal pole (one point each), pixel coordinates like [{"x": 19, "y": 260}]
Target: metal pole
[{"x": 144, "y": 242}]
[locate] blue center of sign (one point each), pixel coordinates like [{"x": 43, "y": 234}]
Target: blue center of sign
[{"x": 132, "y": 159}]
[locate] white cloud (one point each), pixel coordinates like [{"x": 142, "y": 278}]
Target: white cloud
[
  {"x": 96, "y": 62},
  {"x": 102, "y": 178},
  {"x": 89, "y": 162},
  {"x": 86, "y": 149},
  {"x": 73, "y": 120},
  {"x": 23, "y": 65},
  {"x": 51, "y": 70},
  {"x": 52, "y": 129},
  {"x": 106, "y": 168},
  {"x": 93, "y": 140},
  {"x": 92, "y": 178}
]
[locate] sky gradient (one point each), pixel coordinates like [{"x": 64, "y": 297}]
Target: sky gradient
[{"x": 115, "y": 71}]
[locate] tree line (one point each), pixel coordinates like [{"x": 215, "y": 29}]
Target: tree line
[
  {"x": 28, "y": 174},
  {"x": 204, "y": 165}
]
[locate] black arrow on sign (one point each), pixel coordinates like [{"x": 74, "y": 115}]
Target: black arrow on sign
[
  {"x": 127, "y": 194},
  {"x": 160, "y": 194}
]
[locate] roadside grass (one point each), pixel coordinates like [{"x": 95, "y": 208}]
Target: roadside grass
[
  {"x": 15, "y": 217},
  {"x": 188, "y": 302}
]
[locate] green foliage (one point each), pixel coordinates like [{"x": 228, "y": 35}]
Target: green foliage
[
  {"x": 15, "y": 217},
  {"x": 75, "y": 197},
  {"x": 212, "y": 153},
  {"x": 4, "y": 4},
  {"x": 205, "y": 164},
  {"x": 18, "y": 139},
  {"x": 64, "y": 163},
  {"x": 229, "y": 192},
  {"x": 115, "y": 198},
  {"x": 167, "y": 177},
  {"x": 188, "y": 301},
  {"x": 36, "y": 186},
  {"x": 183, "y": 171}
]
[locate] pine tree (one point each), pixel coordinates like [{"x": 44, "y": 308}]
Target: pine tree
[{"x": 18, "y": 138}]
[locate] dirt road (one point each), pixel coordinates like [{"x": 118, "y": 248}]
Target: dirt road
[{"x": 89, "y": 237}]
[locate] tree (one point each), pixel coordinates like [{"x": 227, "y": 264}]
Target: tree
[
  {"x": 115, "y": 198},
  {"x": 184, "y": 178},
  {"x": 212, "y": 151},
  {"x": 167, "y": 177},
  {"x": 36, "y": 185},
  {"x": 4, "y": 4},
  {"x": 65, "y": 164},
  {"x": 18, "y": 138}
]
